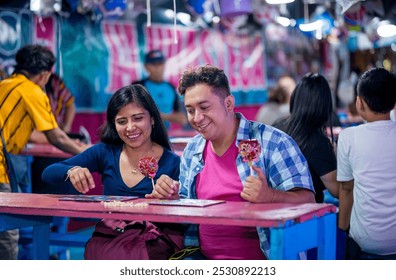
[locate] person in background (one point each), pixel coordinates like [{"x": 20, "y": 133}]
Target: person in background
[
  {"x": 163, "y": 92},
  {"x": 366, "y": 160},
  {"x": 277, "y": 106},
  {"x": 311, "y": 110},
  {"x": 62, "y": 104},
  {"x": 212, "y": 168},
  {"x": 24, "y": 106}
]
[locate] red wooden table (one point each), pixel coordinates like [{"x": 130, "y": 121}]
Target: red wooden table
[
  {"x": 44, "y": 150},
  {"x": 293, "y": 227}
]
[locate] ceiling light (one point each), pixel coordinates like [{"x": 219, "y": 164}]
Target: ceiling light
[
  {"x": 284, "y": 21},
  {"x": 184, "y": 18},
  {"x": 311, "y": 26},
  {"x": 386, "y": 30},
  {"x": 276, "y": 2}
]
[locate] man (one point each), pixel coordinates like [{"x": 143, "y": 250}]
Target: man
[
  {"x": 366, "y": 161},
  {"x": 212, "y": 168},
  {"x": 163, "y": 92},
  {"x": 24, "y": 106}
]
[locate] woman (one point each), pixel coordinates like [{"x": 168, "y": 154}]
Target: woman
[
  {"x": 133, "y": 130},
  {"x": 311, "y": 110}
]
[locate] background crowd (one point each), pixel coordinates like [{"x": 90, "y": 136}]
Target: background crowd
[{"x": 301, "y": 156}]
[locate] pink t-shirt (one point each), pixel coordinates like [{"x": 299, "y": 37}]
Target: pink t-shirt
[{"x": 220, "y": 180}]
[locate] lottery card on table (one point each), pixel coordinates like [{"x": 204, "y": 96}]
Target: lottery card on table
[
  {"x": 96, "y": 198},
  {"x": 186, "y": 202}
]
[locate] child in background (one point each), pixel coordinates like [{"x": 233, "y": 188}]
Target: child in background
[{"x": 366, "y": 160}]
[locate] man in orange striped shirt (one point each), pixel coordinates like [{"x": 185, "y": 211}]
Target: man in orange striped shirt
[{"x": 24, "y": 106}]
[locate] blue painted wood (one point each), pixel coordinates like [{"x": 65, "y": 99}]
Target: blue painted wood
[
  {"x": 289, "y": 241},
  {"x": 69, "y": 239},
  {"x": 327, "y": 241},
  {"x": 40, "y": 231},
  {"x": 40, "y": 246}
]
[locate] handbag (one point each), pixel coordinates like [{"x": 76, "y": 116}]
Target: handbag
[{"x": 133, "y": 240}]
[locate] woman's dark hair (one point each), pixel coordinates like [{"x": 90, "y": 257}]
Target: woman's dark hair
[
  {"x": 133, "y": 94},
  {"x": 34, "y": 59},
  {"x": 311, "y": 108},
  {"x": 209, "y": 75},
  {"x": 377, "y": 88}
]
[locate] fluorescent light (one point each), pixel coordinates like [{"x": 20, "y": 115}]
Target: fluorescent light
[
  {"x": 276, "y": 2},
  {"x": 284, "y": 21},
  {"x": 35, "y": 5},
  {"x": 169, "y": 13},
  {"x": 216, "y": 19},
  {"x": 184, "y": 18},
  {"x": 312, "y": 26},
  {"x": 386, "y": 30}
]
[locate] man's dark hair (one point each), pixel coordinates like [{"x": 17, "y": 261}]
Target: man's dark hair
[
  {"x": 377, "y": 88},
  {"x": 209, "y": 75},
  {"x": 34, "y": 59}
]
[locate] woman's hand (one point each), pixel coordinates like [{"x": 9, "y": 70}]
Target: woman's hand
[
  {"x": 81, "y": 178},
  {"x": 165, "y": 187}
]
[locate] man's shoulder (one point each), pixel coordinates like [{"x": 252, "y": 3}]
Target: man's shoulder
[
  {"x": 25, "y": 87},
  {"x": 195, "y": 144},
  {"x": 259, "y": 130}
]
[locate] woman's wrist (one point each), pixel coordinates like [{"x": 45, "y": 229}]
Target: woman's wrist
[{"x": 68, "y": 171}]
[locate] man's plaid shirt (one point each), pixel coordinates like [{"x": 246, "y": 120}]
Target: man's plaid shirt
[{"x": 280, "y": 159}]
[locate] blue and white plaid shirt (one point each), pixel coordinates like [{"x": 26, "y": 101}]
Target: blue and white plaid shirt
[{"x": 281, "y": 159}]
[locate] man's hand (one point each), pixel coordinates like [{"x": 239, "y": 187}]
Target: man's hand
[
  {"x": 165, "y": 187},
  {"x": 256, "y": 189}
]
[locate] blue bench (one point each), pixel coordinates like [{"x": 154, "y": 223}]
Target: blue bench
[{"x": 59, "y": 241}]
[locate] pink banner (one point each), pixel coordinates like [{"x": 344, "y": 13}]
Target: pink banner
[
  {"x": 124, "y": 62},
  {"x": 241, "y": 57},
  {"x": 45, "y": 32}
]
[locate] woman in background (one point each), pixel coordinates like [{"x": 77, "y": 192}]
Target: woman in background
[
  {"x": 311, "y": 110},
  {"x": 278, "y": 103}
]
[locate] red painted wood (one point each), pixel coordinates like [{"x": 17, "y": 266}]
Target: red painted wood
[
  {"x": 229, "y": 213},
  {"x": 44, "y": 150}
]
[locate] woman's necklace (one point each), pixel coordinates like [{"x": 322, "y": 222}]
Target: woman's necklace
[{"x": 133, "y": 170}]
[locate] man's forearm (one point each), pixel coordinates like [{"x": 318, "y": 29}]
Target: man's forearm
[
  {"x": 294, "y": 196},
  {"x": 345, "y": 204}
]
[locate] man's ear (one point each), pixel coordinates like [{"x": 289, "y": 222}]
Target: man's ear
[
  {"x": 360, "y": 104},
  {"x": 230, "y": 103}
]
